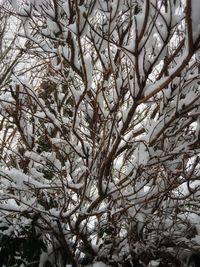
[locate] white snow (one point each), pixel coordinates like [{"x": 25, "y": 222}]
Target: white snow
[
  {"x": 154, "y": 263},
  {"x": 98, "y": 264},
  {"x": 195, "y": 18}
]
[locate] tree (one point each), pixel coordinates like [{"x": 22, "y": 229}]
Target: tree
[{"x": 100, "y": 140}]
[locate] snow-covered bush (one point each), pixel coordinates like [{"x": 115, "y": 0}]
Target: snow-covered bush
[{"x": 100, "y": 132}]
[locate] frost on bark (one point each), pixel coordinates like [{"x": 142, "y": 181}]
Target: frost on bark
[{"x": 100, "y": 134}]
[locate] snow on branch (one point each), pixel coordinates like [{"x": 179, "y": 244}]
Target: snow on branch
[{"x": 100, "y": 129}]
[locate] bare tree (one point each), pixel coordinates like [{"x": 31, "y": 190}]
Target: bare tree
[{"x": 101, "y": 161}]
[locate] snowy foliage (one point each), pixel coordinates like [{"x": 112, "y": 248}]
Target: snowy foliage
[{"x": 100, "y": 130}]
